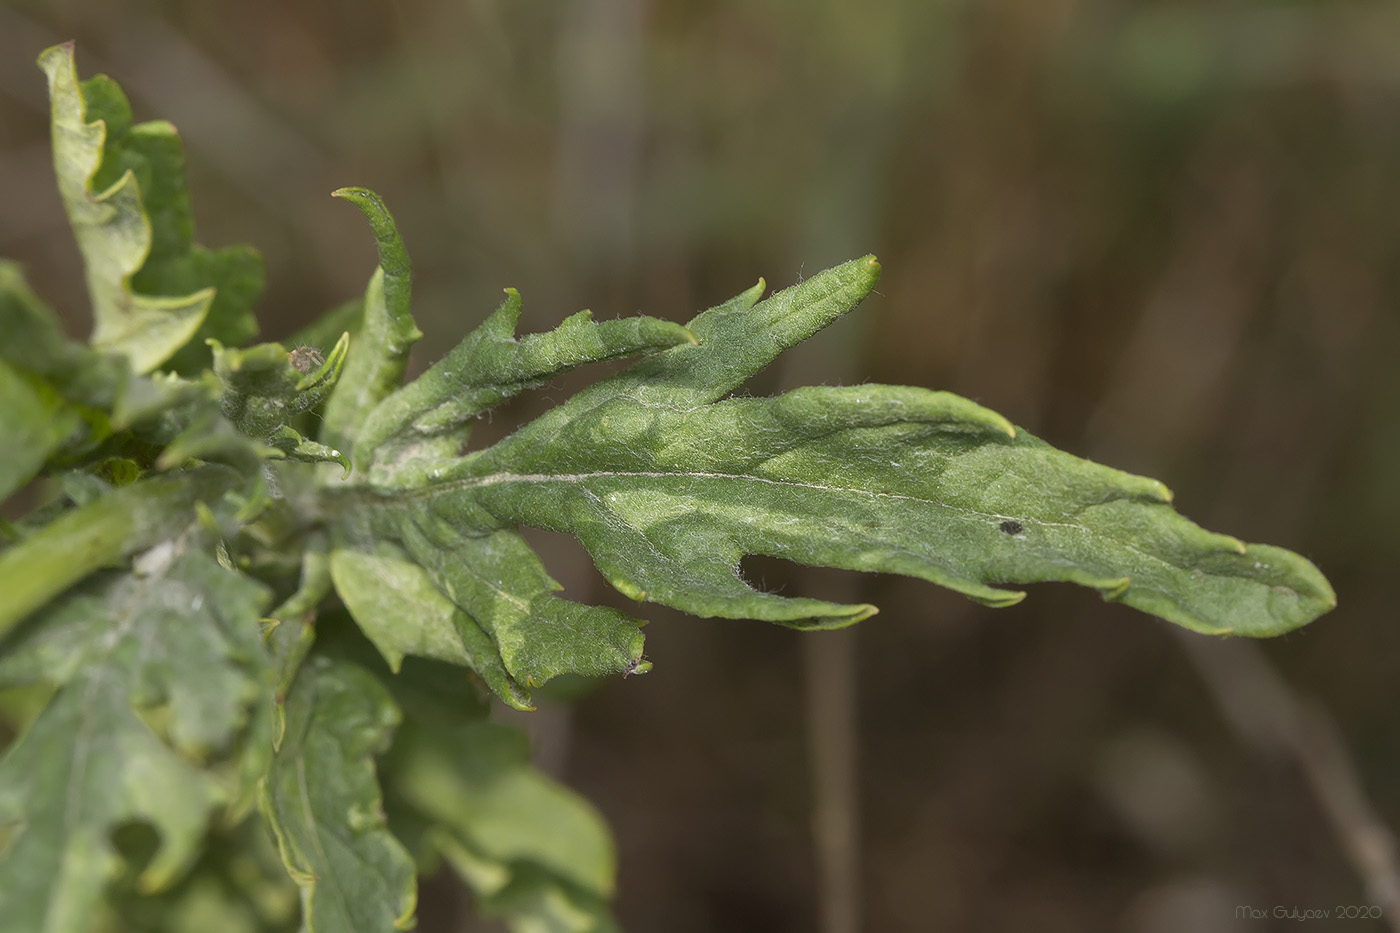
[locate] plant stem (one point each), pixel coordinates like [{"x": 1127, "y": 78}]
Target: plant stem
[{"x": 97, "y": 534}]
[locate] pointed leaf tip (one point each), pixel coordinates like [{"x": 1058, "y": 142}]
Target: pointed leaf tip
[
  {"x": 393, "y": 258},
  {"x": 386, "y": 335}
]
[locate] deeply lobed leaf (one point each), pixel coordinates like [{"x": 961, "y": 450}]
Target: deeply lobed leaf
[
  {"x": 403, "y": 611},
  {"x": 669, "y": 485},
  {"x": 430, "y": 419},
  {"x": 153, "y": 290}
]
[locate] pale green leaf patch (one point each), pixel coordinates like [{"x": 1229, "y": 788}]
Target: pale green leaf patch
[
  {"x": 155, "y": 671},
  {"x": 153, "y": 291}
]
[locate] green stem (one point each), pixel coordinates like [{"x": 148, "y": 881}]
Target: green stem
[{"x": 100, "y": 533}]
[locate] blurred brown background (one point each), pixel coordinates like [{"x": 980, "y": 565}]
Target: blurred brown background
[{"x": 1160, "y": 234}]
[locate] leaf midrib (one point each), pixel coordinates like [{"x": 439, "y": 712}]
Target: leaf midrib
[
  {"x": 380, "y": 494},
  {"x": 506, "y": 477}
]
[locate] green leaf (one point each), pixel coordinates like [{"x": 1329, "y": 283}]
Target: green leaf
[
  {"x": 534, "y": 852},
  {"x": 322, "y": 800},
  {"x": 156, "y": 670},
  {"x": 499, "y": 580},
  {"x": 386, "y": 332},
  {"x": 152, "y": 289},
  {"x": 295, "y": 447},
  {"x": 263, "y": 388},
  {"x": 35, "y": 344},
  {"x": 288, "y": 636},
  {"x": 399, "y": 607},
  {"x": 95, "y": 394},
  {"x": 102, "y": 532},
  {"x": 866, "y": 478},
  {"x": 34, "y": 423},
  {"x": 476, "y": 782},
  {"x": 430, "y": 419},
  {"x": 484, "y": 600},
  {"x": 669, "y": 485}
]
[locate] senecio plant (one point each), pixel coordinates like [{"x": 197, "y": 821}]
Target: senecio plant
[{"x": 282, "y": 580}]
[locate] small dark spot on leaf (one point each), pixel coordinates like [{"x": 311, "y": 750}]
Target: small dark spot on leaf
[{"x": 1011, "y": 527}]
